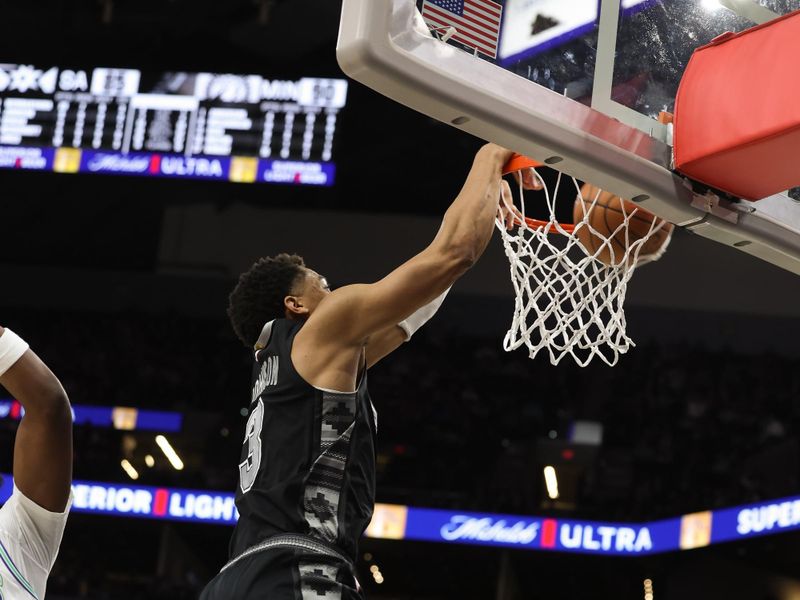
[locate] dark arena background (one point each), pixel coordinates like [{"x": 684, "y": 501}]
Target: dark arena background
[{"x": 125, "y": 225}]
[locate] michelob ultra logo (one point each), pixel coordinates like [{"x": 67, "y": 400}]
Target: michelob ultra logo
[
  {"x": 549, "y": 533},
  {"x": 486, "y": 529},
  {"x": 605, "y": 538},
  {"x": 107, "y": 162}
]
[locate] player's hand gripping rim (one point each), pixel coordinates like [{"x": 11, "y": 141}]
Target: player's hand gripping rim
[{"x": 507, "y": 213}]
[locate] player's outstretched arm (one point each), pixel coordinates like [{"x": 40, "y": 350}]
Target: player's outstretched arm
[
  {"x": 352, "y": 314},
  {"x": 43, "y": 448}
]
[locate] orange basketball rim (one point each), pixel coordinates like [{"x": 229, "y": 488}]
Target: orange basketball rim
[{"x": 517, "y": 163}]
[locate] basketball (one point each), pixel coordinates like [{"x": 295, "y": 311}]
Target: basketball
[{"x": 606, "y": 217}]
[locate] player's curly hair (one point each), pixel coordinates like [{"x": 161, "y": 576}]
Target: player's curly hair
[{"x": 258, "y": 296}]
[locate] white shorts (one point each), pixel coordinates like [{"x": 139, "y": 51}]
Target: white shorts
[{"x": 29, "y": 540}]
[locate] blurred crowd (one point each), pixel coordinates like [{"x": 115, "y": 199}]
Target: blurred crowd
[{"x": 684, "y": 428}]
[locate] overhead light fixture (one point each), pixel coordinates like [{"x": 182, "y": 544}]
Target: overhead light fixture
[
  {"x": 551, "y": 481},
  {"x": 149, "y": 461},
  {"x": 376, "y": 574},
  {"x": 129, "y": 469},
  {"x": 648, "y": 590},
  {"x": 169, "y": 452}
]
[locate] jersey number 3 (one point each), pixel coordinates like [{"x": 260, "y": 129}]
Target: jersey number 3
[{"x": 248, "y": 470}]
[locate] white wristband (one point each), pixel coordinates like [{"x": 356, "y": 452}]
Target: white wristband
[
  {"x": 421, "y": 316},
  {"x": 12, "y": 347}
]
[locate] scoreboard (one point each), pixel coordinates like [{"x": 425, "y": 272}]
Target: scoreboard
[{"x": 242, "y": 128}]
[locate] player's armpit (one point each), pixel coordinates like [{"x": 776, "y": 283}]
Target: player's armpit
[
  {"x": 39, "y": 532},
  {"x": 383, "y": 343}
]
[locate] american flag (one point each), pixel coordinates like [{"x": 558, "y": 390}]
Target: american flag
[{"x": 477, "y": 22}]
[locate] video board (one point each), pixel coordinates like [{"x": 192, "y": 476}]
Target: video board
[{"x": 241, "y": 128}]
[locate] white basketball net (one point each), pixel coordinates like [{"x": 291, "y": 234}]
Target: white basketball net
[{"x": 568, "y": 302}]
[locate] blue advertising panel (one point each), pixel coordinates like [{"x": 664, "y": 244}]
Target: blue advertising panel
[
  {"x": 33, "y": 159},
  {"x": 755, "y": 520},
  {"x": 116, "y": 417},
  {"x": 155, "y": 165},
  {"x": 138, "y": 501},
  {"x": 282, "y": 171},
  {"x": 155, "y": 503},
  {"x": 538, "y": 533},
  {"x": 454, "y": 527},
  {"x": 473, "y": 528},
  {"x": 147, "y": 502}
]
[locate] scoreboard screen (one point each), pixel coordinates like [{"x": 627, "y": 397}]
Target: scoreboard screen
[{"x": 242, "y": 128}]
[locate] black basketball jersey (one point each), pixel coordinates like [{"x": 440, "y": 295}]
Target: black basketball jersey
[{"x": 308, "y": 461}]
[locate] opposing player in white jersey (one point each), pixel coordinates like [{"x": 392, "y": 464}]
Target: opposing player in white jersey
[{"x": 32, "y": 521}]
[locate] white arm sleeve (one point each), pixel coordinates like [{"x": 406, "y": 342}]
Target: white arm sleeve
[
  {"x": 422, "y": 315},
  {"x": 12, "y": 347},
  {"x": 30, "y": 537}
]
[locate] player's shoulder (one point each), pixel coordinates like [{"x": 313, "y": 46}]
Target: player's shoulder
[
  {"x": 335, "y": 308},
  {"x": 21, "y": 513},
  {"x": 273, "y": 335}
]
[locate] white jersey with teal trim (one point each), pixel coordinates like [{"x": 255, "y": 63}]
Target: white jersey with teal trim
[{"x": 29, "y": 540}]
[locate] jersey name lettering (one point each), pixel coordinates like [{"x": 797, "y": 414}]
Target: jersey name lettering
[{"x": 267, "y": 377}]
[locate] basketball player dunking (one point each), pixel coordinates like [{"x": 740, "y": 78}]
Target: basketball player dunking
[
  {"x": 307, "y": 472},
  {"x": 32, "y": 521}
]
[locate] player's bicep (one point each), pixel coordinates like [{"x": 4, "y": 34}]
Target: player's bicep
[
  {"x": 43, "y": 446},
  {"x": 383, "y": 343},
  {"x": 43, "y": 460}
]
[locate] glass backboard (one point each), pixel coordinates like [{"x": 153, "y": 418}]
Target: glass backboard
[
  {"x": 577, "y": 84},
  {"x": 630, "y": 63}
]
